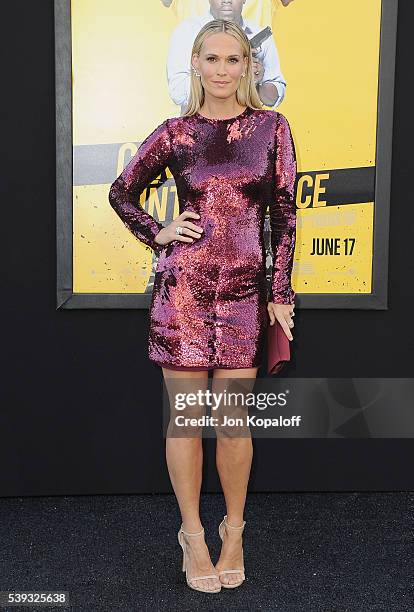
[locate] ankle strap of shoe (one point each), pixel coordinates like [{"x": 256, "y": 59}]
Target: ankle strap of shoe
[
  {"x": 232, "y": 526},
  {"x": 192, "y": 534}
]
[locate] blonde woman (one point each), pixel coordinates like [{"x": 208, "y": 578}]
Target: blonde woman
[
  {"x": 268, "y": 76},
  {"x": 210, "y": 307}
]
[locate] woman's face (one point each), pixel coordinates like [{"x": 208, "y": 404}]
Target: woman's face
[{"x": 220, "y": 64}]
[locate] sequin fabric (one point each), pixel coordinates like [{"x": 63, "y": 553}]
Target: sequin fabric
[{"x": 209, "y": 301}]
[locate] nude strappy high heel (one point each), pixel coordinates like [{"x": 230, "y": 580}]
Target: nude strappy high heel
[
  {"x": 223, "y": 525},
  {"x": 183, "y": 545}
]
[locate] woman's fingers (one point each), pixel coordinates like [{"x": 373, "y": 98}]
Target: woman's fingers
[
  {"x": 189, "y": 230},
  {"x": 283, "y": 313},
  {"x": 271, "y": 314},
  {"x": 192, "y": 226},
  {"x": 182, "y": 238},
  {"x": 186, "y": 232},
  {"x": 183, "y": 220},
  {"x": 283, "y": 322}
]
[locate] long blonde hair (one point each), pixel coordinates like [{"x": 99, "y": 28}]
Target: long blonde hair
[{"x": 246, "y": 92}]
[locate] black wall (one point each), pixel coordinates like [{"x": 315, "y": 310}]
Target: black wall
[{"x": 76, "y": 383}]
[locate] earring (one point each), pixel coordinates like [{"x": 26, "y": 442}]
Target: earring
[
  {"x": 195, "y": 72},
  {"x": 243, "y": 74}
]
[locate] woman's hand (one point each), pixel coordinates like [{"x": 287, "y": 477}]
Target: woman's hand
[
  {"x": 283, "y": 313},
  {"x": 189, "y": 229},
  {"x": 257, "y": 67}
]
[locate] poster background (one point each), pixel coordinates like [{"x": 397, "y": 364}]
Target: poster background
[{"x": 331, "y": 104}]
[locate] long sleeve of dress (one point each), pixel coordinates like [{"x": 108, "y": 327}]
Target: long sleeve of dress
[
  {"x": 283, "y": 214},
  {"x": 149, "y": 161}
]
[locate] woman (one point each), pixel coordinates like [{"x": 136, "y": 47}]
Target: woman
[{"x": 230, "y": 159}]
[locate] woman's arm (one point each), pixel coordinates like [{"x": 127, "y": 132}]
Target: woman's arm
[
  {"x": 148, "y": 162},
  {"x": 283, "y": 214}
]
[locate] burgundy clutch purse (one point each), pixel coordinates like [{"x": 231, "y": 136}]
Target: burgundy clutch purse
[{"x": 278, "y": 349}]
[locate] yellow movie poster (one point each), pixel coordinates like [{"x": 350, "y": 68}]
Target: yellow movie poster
[{"x": 130, "y": 69}]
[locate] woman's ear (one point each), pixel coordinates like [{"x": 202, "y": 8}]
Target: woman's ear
[{"x": 194, "y": 61}]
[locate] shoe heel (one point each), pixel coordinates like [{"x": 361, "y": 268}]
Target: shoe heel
[
  {"x": 189, "y": 581},
  {"x": 183, "y": 547}
]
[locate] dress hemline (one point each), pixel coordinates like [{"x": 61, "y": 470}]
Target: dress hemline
[{"x": 170, "y": 366}]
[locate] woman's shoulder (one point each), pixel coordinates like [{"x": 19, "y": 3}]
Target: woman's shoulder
[
  {"x": 171, "y": 121},
  {"x": 276, "y": 119},
  {"x": 273, "y": 114}
]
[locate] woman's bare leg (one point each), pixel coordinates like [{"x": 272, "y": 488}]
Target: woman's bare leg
[
  {"x": 184, "y": 457},
  {"x": 233, "y": 459}
]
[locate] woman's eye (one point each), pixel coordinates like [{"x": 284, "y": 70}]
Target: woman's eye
[{"x": 232, "y": 59}]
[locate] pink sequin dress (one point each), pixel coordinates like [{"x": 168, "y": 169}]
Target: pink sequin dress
[{"x": 209, "y": 301}]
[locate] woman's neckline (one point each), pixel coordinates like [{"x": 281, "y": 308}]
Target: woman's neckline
[{"x": 214, "y": 120}]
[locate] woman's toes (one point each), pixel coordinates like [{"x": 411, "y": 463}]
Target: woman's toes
[
  {"x": 212, "y": 584},
  {"x": 230, "y": 578},
  {"x": 207, "y": 583}
]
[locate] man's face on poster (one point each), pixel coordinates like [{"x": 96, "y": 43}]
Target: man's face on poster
[{"x": 226, "y": 9}]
